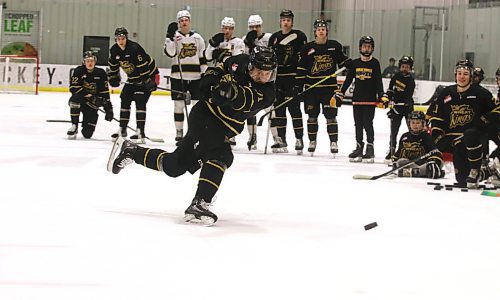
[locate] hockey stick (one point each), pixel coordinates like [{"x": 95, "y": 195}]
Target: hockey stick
[
  {"x": 368, "y": 177},
  {"x": 288, "y": 39},
  {"x": 156, "y": 140},
  {"x": 261, "y": 120},
  {"x": 182, "y": 85}
]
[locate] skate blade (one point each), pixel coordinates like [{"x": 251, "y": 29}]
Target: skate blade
[
  {"x": 116, "y": 146},
  {"x": 203, "y": 220},
  {"x": 299, "y": 152},
  {"x": 334, "y": 155},
  {"x": 368, "y": 160},
  {"x": 72, "y": 137},
  {"x": 356, "y": 159},
  {"x": 138, "y": 141}
]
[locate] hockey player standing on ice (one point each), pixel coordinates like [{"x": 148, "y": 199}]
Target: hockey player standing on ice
[
  {"x": 89, "y": 90},
  {"x": 415, "y": 143},
  {"x": 186, "y": 48},
  {"x": 223, "y": 45},
  {"x": 319, "y": 59},
  {"x": 458, "y": 122},
  {"x": 287, "y": 43},
  {"x": 255, "y": 37},
  {"x": 142, "y": 79},
  {"x": 400, "y": 95},
  {"x": 231, "y": 92},
  {"x": 368, "y": 93}
]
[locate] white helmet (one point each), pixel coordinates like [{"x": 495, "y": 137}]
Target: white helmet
[
  {"x": 227, "y": 21},
  {"x": 254, "y": 20},
  {"x": 182, "y": 14}
]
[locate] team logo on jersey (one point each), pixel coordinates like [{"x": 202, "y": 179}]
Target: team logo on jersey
[
  {"x": 321, "y": 63},
  {"x": 89, "y": 87},
  {"x": 188, "y": 50},
  {"x": 447, "y": 99},
  {"x": 461, "y": 115},
  {"x": 471, "y": 97},
  {"x": 127, "y": 67},
  {"x": 311, "y": 51},
  {"x": 364, "y": 73},
  {"x": 411, "y": 150},
  {"x": 400, "y": 86}
]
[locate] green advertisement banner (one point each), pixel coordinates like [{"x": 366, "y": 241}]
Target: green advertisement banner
[{"x": 20, "y": 32}]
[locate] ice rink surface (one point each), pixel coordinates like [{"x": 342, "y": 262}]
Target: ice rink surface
[{"x": 290, "y": 227}]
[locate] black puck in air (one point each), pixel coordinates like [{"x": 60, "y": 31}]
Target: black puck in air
[{"x": 371, "y": 225}]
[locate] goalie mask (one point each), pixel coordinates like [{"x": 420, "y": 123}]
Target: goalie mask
[
  {"x": 366, "y": 40},
  {"x": 262, "y": 65}
]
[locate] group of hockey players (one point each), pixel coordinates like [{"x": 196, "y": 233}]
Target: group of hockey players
[{"x": 228, "y": 80}]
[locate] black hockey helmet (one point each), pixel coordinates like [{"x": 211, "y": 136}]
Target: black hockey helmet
[
  {"x": 416, "y": 115},
  {"x": 478, "y": 74},
  {"x": 286, "y": 13},
  {"x": 406, "y": 60},
  {"x": 263, "y": 58},
  {"x": 366, "y": 39},
  {"x": 121, "y": 31},
  {"x": 89, "y": 54},
  {"x": 464, "y": 64},
  {"x": 320, "y": 23}
]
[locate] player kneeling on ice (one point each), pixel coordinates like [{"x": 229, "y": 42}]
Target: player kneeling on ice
[
  {"x": 231, "y": 93},
  {"x": 415, "y": 143},
  {"x": 89, "y": 91}
]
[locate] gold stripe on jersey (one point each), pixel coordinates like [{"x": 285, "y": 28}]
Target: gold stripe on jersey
[
  {"x": 209, "y": 105},
  {"x": 159, "y": 159},
  {"x": 216, "y": 166},
  {"x": 209, "y": 181},
  {"x": 145, "y": 157}
]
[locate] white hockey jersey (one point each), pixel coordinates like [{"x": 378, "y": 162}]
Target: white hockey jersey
[
  {"x": 189, "y": 50},
  {"x": 232, "y": 47},
  {"x": 262, "y": 40}
]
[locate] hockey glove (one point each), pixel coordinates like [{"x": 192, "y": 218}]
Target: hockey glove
[
  {"x": 219, "y": 54},
  {"x": 108, "y": 108},
  {"x": 337, "y": 99},
  {"x": 383, "y": 102},
  {"x": 114, "y": 79},
  {"x": 225, "y": 91},
  {"x": 209, "y": 79},
  {"x": 392, "y": 113},
  {"x": 217, "y": 39},
  {"x": 149, "y": 85},
  {"x": 172, "y": 28},
  {"x": 250, "y": 38},
  {"x": 433, "y": 170}
]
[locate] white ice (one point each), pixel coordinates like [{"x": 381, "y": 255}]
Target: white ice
[{"x": 290, "y": 227}]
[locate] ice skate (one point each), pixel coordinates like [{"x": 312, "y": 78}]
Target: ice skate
[
  {"x": 279, "y": 146},
  {"x": 473, "y": 179},
  {"x": 388, "y": 157},
  {"x": 199, "y": 212},
  {"x": 232, "y": 142},
  {"x": 72, "y": 132},
  {"x": 369, "y": 156},
  {"x": 252, "y": 142},
  {"x": 312, "y": 147},
  {"x": 139, "y": 137},
  {"x": 121, "y": 132},
  {"x": 125, "y": 156},
  {"x": 334, "y": 148},
  {"x": 299, "y": 146},
  {"x": 357, "y": 154}
]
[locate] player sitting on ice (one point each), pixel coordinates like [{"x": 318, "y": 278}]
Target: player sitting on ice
[
  {"x": 415, "y": 143},
  {"x": 231, "y": 93}
]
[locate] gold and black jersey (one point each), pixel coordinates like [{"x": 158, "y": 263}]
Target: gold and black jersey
[
  {"x": 401, "y": 88},
  {"x": 412, "y": 146},
  {"x": 83, "y": 82},
  {"x": 133, "y": 60},
  {"x": 318, "y": 61},
  {"x": 456, "y": 112},
  {"x": 368, "y": 81},
  {"x": 250, "y": 97},
  {"x": 289, "y": 58}
]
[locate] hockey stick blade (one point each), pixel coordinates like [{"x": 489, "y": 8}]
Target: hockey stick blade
[
  {"x": 288, "y": 39},
  {"x": 359, "y": 176}
]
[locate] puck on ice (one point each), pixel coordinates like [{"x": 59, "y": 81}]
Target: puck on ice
[{"x": 370, "y": 226}]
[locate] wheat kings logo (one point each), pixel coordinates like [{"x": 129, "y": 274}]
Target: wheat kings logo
[
  {"x": 321, "y": 63},
  {"x": 400, "y": 87},
  {"x": 188, "y": 50},
  {"x": 89, "y": 87},
  {"x": 460, "y": 115},
  {"x": 412, "y": 149},
  {"x": 363, "y": 73},
  {"x": 127, "y": 67}
]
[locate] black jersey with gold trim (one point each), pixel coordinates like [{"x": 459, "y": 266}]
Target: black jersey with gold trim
[
  {"x": 133, "y": 60},
  {"x": 84, "y": 82}
]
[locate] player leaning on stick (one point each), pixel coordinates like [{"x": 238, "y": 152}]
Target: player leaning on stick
[
  {"x": 459, "y": 120},
  {"x": 400, "y": 95},
  {"x": 287, "y": 43},
  {"x": 415, "y": 143},
  {"x": 186, "y": 48},
  {"x": 89, "y": 90},
  {"x": 368, "y": 92},
  {"x": 142, "y": 79},
  {"x": 231, "y": 93},
  {"x": 319, "y": 59}
]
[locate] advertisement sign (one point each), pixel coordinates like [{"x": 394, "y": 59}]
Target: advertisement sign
[{"x": 20, "y": 32}]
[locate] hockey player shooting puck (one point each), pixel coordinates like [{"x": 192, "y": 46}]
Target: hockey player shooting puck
[{"x": 370, "y": 226}]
